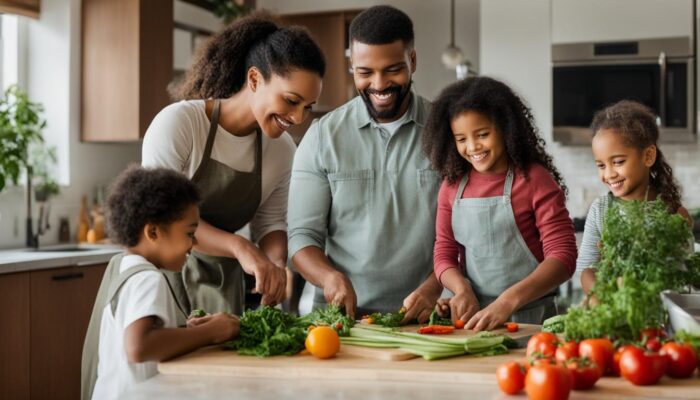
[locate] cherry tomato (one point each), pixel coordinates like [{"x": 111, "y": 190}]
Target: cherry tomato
[
  {"x": 649, "y": 333},
  {"x": 566, "y": 351},
  {"x": 682, "y": 359},
  {"x": 548, "y": 382},
  {"x": 600, "y": 351},
  {"x": 653, "y": 344},
  {"x": 459, "y": 324},
  {"x": 512, "y": 327},
  {"x": 544, "y": 343},
  {"x": 511, "y": 377},
  {"x": 642, "y": 368},
  {"x": 584, "y": 372}
]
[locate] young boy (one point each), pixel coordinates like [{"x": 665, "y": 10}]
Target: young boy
[{"x": 154, "y": 214}]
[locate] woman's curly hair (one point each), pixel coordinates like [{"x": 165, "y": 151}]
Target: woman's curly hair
[
  {"x": 513, "y": 119},
  {"x": 140, "y": 196},
  {"x": 257, "y": 41},
  {"x": 636, "y": 124}
]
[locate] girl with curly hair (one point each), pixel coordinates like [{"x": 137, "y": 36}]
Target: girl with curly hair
[
  {"x": 504, "y": 239},
  {"x": 251, "y": 82},
  {"x": 631, "y": 165}
]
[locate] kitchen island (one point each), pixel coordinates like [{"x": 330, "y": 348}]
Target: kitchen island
[{"x": 350, "y": 376}]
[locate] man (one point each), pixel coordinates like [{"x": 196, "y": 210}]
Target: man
[{"x": 362, "y": 197}]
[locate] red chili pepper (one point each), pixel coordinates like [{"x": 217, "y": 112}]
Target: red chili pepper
[
  {"x": 436, "y": 329},
  {"x": 512, "y": 326}
]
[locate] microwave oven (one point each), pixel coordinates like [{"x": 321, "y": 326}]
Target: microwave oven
[{"x": 659, "y": 73}]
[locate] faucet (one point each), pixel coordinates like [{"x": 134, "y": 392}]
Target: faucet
[{"x": 32, "y": 239}]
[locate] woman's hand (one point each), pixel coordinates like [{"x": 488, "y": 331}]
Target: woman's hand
[
  {"x": 270, "y": 279},
  {"x": 491, "y": 317}
]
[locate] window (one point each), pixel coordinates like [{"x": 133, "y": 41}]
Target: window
[{"x": 9, "y": 51}]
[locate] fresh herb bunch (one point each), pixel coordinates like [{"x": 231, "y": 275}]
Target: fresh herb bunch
[
  {"x": 268, "y": 332},
  {"x": 645, "y": 250},
  {"x": 331, "y": 316},
  {"x": 390, "y": 320}
]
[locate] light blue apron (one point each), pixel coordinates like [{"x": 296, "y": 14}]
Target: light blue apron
[{"x": 496, "y": 255}]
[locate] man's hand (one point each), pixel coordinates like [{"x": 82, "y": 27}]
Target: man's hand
[
  {"x": 338, "y": 290},
  {"x": 419, "y": 305}
]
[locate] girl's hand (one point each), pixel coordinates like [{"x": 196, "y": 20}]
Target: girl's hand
[
  {"x": 270, "y": 279},
  {"x": 463, "y": 306},
  {"x": 491, "y": 317},
  {"x": 443, "y": 307},
  {"x": 222, "y": 326}
]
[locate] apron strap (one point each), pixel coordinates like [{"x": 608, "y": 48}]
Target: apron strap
[
  {"x": 508, "y": 185},
  {"x": 213, "y": 127},
  {"x": 116, "y": 286},
  {"x": 460, "y": 189}
]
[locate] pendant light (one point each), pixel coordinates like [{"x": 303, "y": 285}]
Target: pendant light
[{"x": 452, "y": 56}]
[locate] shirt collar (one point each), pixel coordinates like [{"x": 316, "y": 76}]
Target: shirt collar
[{"x": 364, "y": 119}]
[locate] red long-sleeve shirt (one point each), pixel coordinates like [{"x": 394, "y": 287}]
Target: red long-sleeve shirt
[{"x": 540, "y": 213}]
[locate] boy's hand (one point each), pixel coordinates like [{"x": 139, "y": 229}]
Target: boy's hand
[{"x": 223, "y": 326}]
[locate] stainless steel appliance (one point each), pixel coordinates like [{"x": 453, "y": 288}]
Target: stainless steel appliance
[{"x": 657, "y": 72}]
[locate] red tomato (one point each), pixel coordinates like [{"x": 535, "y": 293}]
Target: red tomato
[
  {"x": 584, "y": 372},
  {"x": 566, "y": 351},
  {"x": 682, "y": 359},
  {"x": 600, "y": 351},
  {"x": 642, "y": 368},
  {"x": 649, "y": 333},
  {"x": 544, "y": 343},
  {"x": 459, "y": 324},
  {"x": 653, "y": 344},
  {"x": 615, "y": 367},
  {"x": 511, "y": 377},
  {"x": 548, "y": 382},
  {"x": 512, "y": 327}
]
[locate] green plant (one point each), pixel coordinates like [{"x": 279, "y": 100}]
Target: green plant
[
  {"x": 21, "y": 143},
  {"x": 228, "y": 10}
]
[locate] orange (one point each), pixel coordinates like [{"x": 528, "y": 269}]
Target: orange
[{"x": 322, "y": 342}]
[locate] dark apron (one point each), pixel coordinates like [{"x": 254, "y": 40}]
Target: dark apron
[
  {"x": 230, "y": 200},
  {"x": 496, "y": 254},
  {"x": 108, "y": 293}
]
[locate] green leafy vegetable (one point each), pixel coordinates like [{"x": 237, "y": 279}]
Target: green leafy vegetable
[
  {"x": 198, "y": 313},
  {"x": 390, "y": 320},
  {"x": 645, "y": 250},
  {"x": 332, "y": 316},
  {"x": 554, "y": 324},
  {"x": 435, "y": 319},
  {"x": 269, "y": 332}
]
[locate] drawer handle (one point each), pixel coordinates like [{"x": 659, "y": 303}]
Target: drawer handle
[{"x": 68, "y": 276}]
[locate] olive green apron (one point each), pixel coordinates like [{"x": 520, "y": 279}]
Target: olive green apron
[
  {"x": 496, "y": 254},
  {"x": 108, "y": 293},
  {"x": 230, "y": 200}
]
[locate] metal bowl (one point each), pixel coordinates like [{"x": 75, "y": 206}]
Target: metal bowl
[{"x": 683, "y": 311}]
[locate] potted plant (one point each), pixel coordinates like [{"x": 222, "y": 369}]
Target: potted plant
[{"x": 22, "y": 144}]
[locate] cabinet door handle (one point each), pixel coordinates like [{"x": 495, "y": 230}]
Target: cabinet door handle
[{"x": 68, "y": 276}]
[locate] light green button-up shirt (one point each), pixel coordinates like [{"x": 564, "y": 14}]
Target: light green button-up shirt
[{"x": 369, "y": 200}]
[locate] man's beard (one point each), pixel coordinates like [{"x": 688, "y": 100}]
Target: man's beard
[{"x": 393, "y": 112}]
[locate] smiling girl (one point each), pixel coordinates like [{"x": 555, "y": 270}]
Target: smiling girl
[
  {"x": 505, "y": 241},
  {"x": 252, "y": 81},
  {"x": 631, "y": 165}
]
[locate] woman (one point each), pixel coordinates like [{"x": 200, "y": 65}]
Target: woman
[{"x": 258, "y": 79}]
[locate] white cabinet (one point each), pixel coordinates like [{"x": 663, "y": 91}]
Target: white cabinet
[{"x": 605, "y": 20}]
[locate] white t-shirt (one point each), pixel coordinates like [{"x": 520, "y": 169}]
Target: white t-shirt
[
  {"x": 176, "y": 139},
  {"x": 144, "y": 294},
  {"x": 392, "y": 127}
]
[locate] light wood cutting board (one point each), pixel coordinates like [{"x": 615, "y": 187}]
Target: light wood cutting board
[{"x": 526, "y": 330}]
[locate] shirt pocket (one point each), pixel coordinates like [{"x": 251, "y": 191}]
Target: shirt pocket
[
  {"x": 351, "y": 193},
  {"x": 429, "y": 180}
]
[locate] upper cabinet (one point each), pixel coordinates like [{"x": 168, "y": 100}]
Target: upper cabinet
[
  {"x": 575, "y": 21},
  {"x": 127, "y": 64}
]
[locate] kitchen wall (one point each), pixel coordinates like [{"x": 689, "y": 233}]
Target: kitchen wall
[
  {"x": 515, "y": 40},
  {"x": 431, "y": 25}
]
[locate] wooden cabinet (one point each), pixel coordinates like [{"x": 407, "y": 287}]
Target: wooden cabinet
[
  {"x": 14, "y": 336},
  {"x": 48, "y": 313},
  {"x": 127, "y": 64},
  {"x": 61, "y": 305}
]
